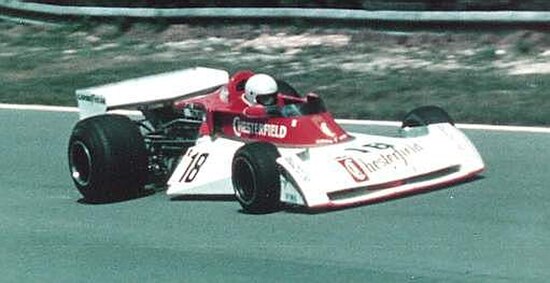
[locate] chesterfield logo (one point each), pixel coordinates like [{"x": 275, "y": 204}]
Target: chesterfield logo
[
  {"x": 354, "y": 169},
  {"x": 394, "y": 158},
  {"x": 258, "y": 129},
  {"x": 386, "y": 156}
]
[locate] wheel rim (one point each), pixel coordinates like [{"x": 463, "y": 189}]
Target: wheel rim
[
  {"x": 81, "y": 163},
  {"x": 245, "y": 181}
]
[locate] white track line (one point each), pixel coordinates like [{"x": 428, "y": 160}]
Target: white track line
[
  {"x": 520, "y": 129},
  {"x": 524, "y": 129},
  {"x": 38, "y": 108},
  {"x": 369, "y": 122}
]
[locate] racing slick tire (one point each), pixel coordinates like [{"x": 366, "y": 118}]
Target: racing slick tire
[
  {"x": 107, "y": 158},
  {"x": 255, "y": 177},
  {"x": 426, "y": 115}
]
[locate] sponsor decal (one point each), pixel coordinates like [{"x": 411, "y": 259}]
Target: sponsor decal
[
  {"x": 224, "y": 94},
  {"x": 296, "y": 168},
  {"x": 354, "y": 169},
  {"x": 258, "y": 129},
  {"x": 394, "y": 158},
  {"x": 91, "y": 98},
  {"x": 388, "y": 156},
  {"x": 323, "y": 141},
  {"x": 289, "y": 193},
  {"x": 326, "y": 130}
]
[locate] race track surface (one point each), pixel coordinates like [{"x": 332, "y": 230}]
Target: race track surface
[{"x": 494, "y": 229}]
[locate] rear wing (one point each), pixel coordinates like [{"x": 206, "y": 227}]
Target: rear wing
[{"x": 160, "y": 88}]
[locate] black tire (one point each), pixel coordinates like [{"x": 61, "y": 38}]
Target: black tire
[
  {"x": 255, "y": 177},
  {"x": 107, "y": 158},
  {"x": 426, "y": 115}
]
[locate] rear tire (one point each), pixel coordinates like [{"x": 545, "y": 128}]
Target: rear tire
[
  {"x": 255, "y": 177},
  {"x": 426, "y": 115},
  {"x": 107, "y": 158}
]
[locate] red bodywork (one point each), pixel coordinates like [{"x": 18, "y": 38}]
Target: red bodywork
[{"x": 229, "y": 115}]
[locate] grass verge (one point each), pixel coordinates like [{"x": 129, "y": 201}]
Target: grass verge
[{"x": 479, "y": 77}]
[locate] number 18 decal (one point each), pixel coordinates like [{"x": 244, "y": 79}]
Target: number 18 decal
[{"x": 193, "y": 167}]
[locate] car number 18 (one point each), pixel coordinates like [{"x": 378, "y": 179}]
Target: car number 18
[{"x": 195, "y": 161}]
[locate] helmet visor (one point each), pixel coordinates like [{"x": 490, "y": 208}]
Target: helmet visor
[{"x": 267, "y": 99}]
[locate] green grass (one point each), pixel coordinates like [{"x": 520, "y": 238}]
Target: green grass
[
  {"x": 37, "y": 69},
  {"x": 468, "y": 96}
]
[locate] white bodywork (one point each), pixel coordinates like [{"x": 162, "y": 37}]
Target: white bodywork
[
  {"x": 148, "y": 90},
  {"x": 367, "y": 168}
]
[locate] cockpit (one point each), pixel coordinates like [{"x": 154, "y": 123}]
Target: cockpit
[{"x": 289, "y": 103}]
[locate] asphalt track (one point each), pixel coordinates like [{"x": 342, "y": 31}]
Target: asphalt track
[{"x": 494, "y": 229}]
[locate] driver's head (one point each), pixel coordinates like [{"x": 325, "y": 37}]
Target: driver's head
[{"x": 261, "y": 89}]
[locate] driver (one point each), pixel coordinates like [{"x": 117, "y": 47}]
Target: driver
[{"x": 261, "y": 89}]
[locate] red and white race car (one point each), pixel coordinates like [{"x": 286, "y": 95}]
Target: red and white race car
[{"x": 198, "y": 136}]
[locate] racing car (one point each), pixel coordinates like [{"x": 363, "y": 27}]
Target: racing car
[{"x": 193, "y": 133}]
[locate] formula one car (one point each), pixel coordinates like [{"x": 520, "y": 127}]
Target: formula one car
[{"x": 197, "y": 135}]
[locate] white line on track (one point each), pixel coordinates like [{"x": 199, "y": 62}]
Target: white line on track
[
  {"x": 38, "y": 108},
  {"x": 520, "y": 129},
  {"x": 500, "y": 128}
]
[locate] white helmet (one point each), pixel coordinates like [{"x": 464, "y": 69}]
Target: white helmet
[{"x": 261, "y": 89}]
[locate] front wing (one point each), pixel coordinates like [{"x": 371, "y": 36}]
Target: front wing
[{"x": 374, "y": 168}]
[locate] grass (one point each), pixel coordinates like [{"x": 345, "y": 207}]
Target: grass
[{"x": 373, "y": 76}]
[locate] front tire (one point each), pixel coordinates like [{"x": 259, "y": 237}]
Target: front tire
[
  {"x": 107, "y": 158},
  {"x": 255, "y": 177},
  {"x": 426, "y": 115}
]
